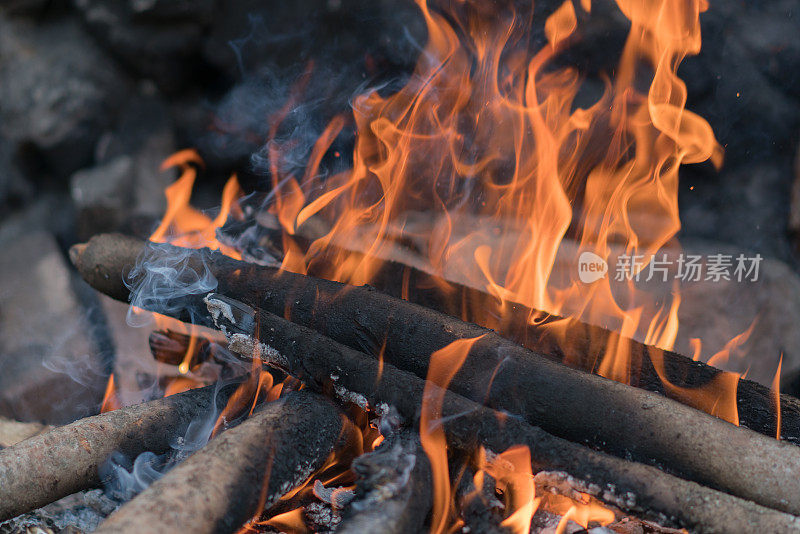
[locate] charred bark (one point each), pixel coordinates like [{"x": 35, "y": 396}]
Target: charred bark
[
  {"x": 241, "y": 471},
  {"x": 107, "y": 259},
  {"x": 577, "y": 344},
  {"x": 477, "y": 507},
  {"x": 571, "y": 404},
  {"x": 49, "y": 466},
  {"x": 637, "y": 488},
  {"x": 393, "y": 490}
]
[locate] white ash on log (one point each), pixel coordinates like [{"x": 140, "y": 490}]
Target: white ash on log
[
  {"x": 52, "y": 465},
  {"x": 637, "y": 488},
  {"x": 565, "y": 402},
  {"x": 241, "y": 471},
  {"x": 393, "y": 489}
]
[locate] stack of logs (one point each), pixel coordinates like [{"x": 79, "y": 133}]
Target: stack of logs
[{"x": 633, "y": 448}]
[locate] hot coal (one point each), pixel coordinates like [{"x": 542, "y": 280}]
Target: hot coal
[{"x": 393, "y": 488}]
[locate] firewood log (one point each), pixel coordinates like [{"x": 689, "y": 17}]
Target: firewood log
[
  {"x": 571, "y": 404},
  {"x": 477, "y": 507},
  {"x": 49, "y": 466},
  {"x": 393, "y": 489},
  {"x": 107, "y": 259},
  {"x": 239, "y": 472},
  {"x": 579, "y": 345},
  {"x": 640, "y": 489}
]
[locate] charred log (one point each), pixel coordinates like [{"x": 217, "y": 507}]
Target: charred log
[
  {"x": 571, "y": 342},
  {"x": 107, "y": 259},
  {"x": 571, "y": 404},
  {"x": 477, "y": 506},
  {"x": 637, "y": 488},
  {"x": 49, "y": 466},
  {"x": 239, "y": 472},
  {"x": 393, "y": 490}
]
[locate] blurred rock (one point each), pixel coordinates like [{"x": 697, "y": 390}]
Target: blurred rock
[
  {"x": 24, "y": 7},
  {"x": 768, "y": 31},
  {"x": 715, "y": 312},
  {"x": 13, "y": 185},
  {"x": 135, "y": 370},
  {"x": 12, "y": 432},
  {"x": 58, "y": 91},
  {"x": 48, "y": 211},
  {"x": 126, "y": 187},
  {"x": 53, "y": 371},
  {"x": 145, "y": 133},
  {"x": 794, "y": 203},
  {"x": 744, "y": 81},
  {"x": 158, "y": 39},
  {"x": 103, "y": 195},
  {"x": 246, "y": 35},
  {"x": 746, "y": 206}
]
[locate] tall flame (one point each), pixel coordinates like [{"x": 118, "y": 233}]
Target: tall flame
[
  {"x": 487, "y": 164},
  {"x": 183, "y": 225}
]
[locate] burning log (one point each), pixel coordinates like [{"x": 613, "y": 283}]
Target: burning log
[
  {"x": 612, "y": 416},
  {"x": 243, "y": 470},
  {"x": 327, "y": 365},
  {"x": 394, "y": 488},
  {"x": 49, "y": 466},
  {"x": 107, "y": 259},
  {"x": 569, "y": 341}
]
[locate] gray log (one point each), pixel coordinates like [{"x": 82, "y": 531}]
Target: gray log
[
  {"x": 49, "y": 466},
  {"x": 244, "y": 469}
]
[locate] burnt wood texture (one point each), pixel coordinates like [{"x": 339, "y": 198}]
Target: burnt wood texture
[{"x": 107, "y": 259}]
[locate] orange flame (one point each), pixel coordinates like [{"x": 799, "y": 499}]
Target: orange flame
[
  {"x": 183, "y": 225},
  {"x": 291, "y": 521},
  {"x": 444, "y": 364},
  {"x": 514, "y": 476},
  {"x": 502, "y": 181},
  {"x": 110, "y": 400},
  {"x": 486, "y": 162}
]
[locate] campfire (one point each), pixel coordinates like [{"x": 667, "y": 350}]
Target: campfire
[{"x": 465, "y": 325}]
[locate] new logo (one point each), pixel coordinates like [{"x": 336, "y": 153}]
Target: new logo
[{"x": 591, "y": 267}]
